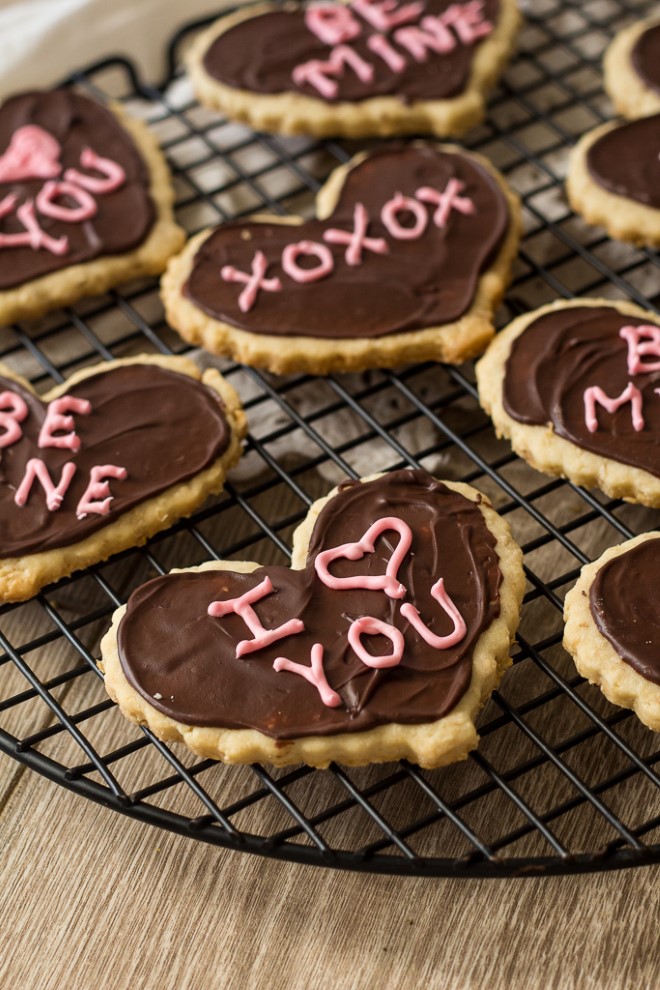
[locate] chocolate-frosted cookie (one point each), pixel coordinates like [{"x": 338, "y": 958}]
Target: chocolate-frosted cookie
[
  {"x": 632, "y": 69},
  {"x": 356, "y": 69},
  {"x": 613, "y": 626},
  {"x": 382, "y": 641},
  {"x": 407, "y": 259},
  {"x": 85, "y": 201},
  {"x": 575, "y": 386},
  {"x": 614, "y": 179},
  {"x": 115, "y": 454}
]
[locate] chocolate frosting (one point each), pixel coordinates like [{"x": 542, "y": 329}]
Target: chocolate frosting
[
  {"x": 184, "y": 662},
  {"x": 625, "y": 160},
  {"x": 561, "y": 354},
  {"x": 124, "y": 217},
  {"x": 419, "y": 283},
  {"x": 161, "y": 426},
  {"x": 260, "y": 53},
  {"x": 624, "y": 604},
  {"x": 646, "y": 57}
]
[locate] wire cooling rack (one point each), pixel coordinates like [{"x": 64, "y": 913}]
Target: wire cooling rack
[{"x": 562, "y": 781}]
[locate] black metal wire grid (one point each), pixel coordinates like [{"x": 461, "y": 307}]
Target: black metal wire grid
[{"x": 562, "y": 782}]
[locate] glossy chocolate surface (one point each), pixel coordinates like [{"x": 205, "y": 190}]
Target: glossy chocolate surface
[
  {"x": 646, "y": 57},
  {"x": 123, "y": 218},
  {"x": 184, "y": 662},
  {"x": 624, "y": 605},
  {"x": 419, "y": 283},
  {"x": 161, "y": 426},
  {"x": 625, "y": 160},
  {"x": 563, "y": 353},
  {"x": 260, "y": 53}
]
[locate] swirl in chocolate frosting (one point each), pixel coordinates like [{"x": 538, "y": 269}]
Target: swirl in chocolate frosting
[
  {"x": 563, "y": 353},
  {"x": 427, "y": 281},
  {"x": 624, "y": 605},
  {"x": 260, "y": 54},
  {"x": 123, "y": 217},
  {"x": 184, "y": 661},
  {"x": 646, "y": 57},
  {"x": 161, "y": 426},
  {"x": 625, "y": 160}
]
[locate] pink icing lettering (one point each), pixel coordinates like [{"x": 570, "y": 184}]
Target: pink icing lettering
[
  {"x": 33, "y": 153},
  {"x": 594, "y": 394},
  {"x": 242, "y": 606},
  {"x": 314, "y": 674},
  {"x": 113, "y": 175},
  {"x": 380, "y": 46},
  {"x": 253, "y": 282},
  {"x": 433, "y": 36},
  {"x": 356, "y": 239},
  {"x": 332, "y": 23},
  {"x": 367, "y": 625},
  {"x": 642, "y": 341},
  {"x": 96, "y": 497},
  {"x": 13, "y": 410},
  {"x": 292, "y": 252},
  {"x": 446, "y": 201},
  {"x": 389, "y": 217},
  {"x": 387, "y": 582},
  {"x": 438, "y": 592},
  {"x": 316, "y": 72},
  {"x": 386, "y": 14},
  {"x": 34, "y": 237},
  {"x": 56, "y": 419},
  {"x": 51, "y": 191},
  {"x": 35, "y": 468},
  {"x": 468, "y": 21}
]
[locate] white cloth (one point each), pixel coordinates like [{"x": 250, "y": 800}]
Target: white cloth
[{"x": 41, "y": 41}]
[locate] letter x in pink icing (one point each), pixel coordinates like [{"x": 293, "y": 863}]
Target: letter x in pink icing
[
  {"x": 642, "y": 341},
  {"x": 594, "y": 394},
  {"x": 253, "y": 282},
  {"x": 387, "y": 582},
  {"x": 438, "y": 592},
  {"x": 446, "y": 201},
  {"x": 356, "y": 239},
  {"x": 242, "y": 606},
  {"x": 314, "y": 674}
]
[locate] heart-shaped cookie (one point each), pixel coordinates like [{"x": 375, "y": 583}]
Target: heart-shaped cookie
[
  {"x": 407, "y": 260},
  {"x": 383, "y": 641},
  {"x": 85, "y": 201},
  {"x": 112, "y": 456},
  {"x": 368, "y": 67},
  {"x": 576, "y": 386},
  {"x": 614, "y": 179}
]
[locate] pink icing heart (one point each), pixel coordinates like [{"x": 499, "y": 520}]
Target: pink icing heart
[
  {"x": 386, "y": 582},
  {"x": 33, "y": 153}
]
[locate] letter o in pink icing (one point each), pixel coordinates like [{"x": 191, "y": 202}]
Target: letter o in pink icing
[
  {"x": 367, "y": 625},
  {"x": 396, "y": 205},
  {"x": 51, "y": 191},
  {"x": 292, "y": 252}
]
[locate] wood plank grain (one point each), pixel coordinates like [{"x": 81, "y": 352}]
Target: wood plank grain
[{"x": 92, "y": 899}]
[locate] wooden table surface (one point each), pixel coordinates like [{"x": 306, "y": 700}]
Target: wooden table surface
[{"x": 90, "y": 899}]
